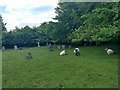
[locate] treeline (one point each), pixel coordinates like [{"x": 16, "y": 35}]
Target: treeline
[{"x": 79, "y": 23}]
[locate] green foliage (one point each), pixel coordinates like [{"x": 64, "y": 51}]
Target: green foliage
[
  {"x": 24, "y": 35},
  {"x": 101, "y": 24},
  {"x": 107, "y": 33},
  {"x": 102, "y": 34},
  {"x": 76, "y": 22}
]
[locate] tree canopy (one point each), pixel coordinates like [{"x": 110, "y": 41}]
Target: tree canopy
[{"x": 76, "y": 22}]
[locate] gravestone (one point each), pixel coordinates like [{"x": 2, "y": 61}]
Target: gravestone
[
  {"x": 63, "y": 46},
  {"x": 15, "y": 47},
  {"x": 59, "y": 47},
  {"x": 50, "y": 47},
  {"x": 29, "y": 56},
  {"x": 47, "y": 44},
  {"x": 3, "y": 47},
  {"x": 38, "y": 44}
]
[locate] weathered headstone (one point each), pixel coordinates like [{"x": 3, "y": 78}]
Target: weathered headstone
[
  {"x": 63, "y": 46},
  {"x": 29, "y": 56},
  {"x": 47, "y": 44},
  {"x": 59, "y": 47},
  {"x": 3, "y": 47},
  {"x": 50, "y": 47}
]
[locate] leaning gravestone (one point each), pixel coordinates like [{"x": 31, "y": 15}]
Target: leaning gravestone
[
  {"x": 15, "y": 47},
  {"x": 29, "y": 56}
]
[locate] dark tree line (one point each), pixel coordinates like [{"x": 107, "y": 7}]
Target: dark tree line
[{"x": 80, "y": 23}]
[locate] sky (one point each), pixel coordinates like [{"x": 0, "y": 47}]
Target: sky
[{"x": 27, "y": 12}]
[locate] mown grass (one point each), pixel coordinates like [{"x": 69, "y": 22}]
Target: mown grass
[{"x": 92, "y": 69}]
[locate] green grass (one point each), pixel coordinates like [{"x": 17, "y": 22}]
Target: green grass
[{"x": 92, "y": 69}]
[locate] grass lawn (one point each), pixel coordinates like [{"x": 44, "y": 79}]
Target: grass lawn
[{"x": 92, "y": 69}]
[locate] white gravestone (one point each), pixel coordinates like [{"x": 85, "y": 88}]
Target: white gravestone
[
  {"x": 38, "y": 44},
  {"x": 15, "y": 47}
]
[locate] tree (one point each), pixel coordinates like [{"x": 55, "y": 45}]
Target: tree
[
  {"x": 76, "y": 23},
  {"x": 98, "y": 24},
  {"x": 2, "y": 30},
  {"x": 2, "y": 25}
]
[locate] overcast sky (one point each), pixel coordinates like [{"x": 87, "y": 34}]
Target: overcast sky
[{"x": 27, "y": 12}]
